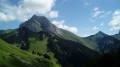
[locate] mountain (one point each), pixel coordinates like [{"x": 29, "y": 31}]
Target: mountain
[
  {"x": 48, "y": 40},
  {"x": 103, "y": 42},
  {"x": 70, "y": 36},
  {"x": 39, "y": 43},
  {"x": 40, "y": 23},
  {"x": 11, "y": 56},
  {"x": 39, "y": 36},
  {"x": 117, "y": 35}
]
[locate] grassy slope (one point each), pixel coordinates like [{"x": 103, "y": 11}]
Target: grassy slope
[
  {"x": 90, "y": 44},
  {"x": 38, "y": 46},
  {"x": 41, "y": 47},
  {"x": 11, "y": 56},
  {"x": 70, "y": 36}
]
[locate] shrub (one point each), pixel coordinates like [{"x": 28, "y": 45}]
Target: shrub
[{"x": 46, "y": 56}]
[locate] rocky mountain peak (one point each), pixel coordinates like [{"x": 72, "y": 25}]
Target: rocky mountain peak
[
  {"x": 100, "y": 32},
  {"x": 40, "y": 23}
]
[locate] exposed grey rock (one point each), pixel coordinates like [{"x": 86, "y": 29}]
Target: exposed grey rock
[{"x": 40, "y": 23}]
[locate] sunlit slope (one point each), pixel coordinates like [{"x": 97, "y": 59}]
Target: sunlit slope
[{"x": 11, "y": 56}]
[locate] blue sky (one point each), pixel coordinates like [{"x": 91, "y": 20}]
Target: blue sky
[{"x": 82, "y": 17}]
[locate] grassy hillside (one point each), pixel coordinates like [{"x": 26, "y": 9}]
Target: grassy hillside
[
  {"x": 40, "y": 46},
  {"x": 70, "y": 36},
  {"x": 11, "y": 56},
  {"x": 68, "y": 51},
  {"x": 90, "y": 44}
]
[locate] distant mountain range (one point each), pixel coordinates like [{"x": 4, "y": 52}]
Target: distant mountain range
[
  {"x": 103, "y": 42},
  {"x": 43, "y": 39}
]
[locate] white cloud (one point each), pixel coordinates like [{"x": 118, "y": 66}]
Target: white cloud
[
  {"x": 86, "y": 35},
  {"x": 95, "y": 28},
  {"x": 53, "y": 14},
  {"x": 102, "y": 23},
  {"x": 96, "y": 9},
  {"x": 25, "y": 9},
  {"x": 61, "y": 24},
  {"x": 115, "y": 22},
  {"x": 96, "y": 12},
  {"x": 117, "y": 12},
  {"x": 6, "y": 17},
  {"x": 37, "y": 6},
  {"x": 85, "y": 2}
]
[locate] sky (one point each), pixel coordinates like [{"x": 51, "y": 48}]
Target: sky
[{"x": 81, "y": 17}]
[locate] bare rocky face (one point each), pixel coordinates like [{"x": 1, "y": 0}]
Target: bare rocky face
[{"x": 41, "y": 23}]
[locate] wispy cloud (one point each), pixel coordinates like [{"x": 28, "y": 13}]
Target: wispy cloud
[
  {"x": 102, "y": 23},
  {"x": 53, "y": 14},
  {"x": 105, "y": 14},
  {"x": 115, "y": 22},
  {"x": 96, "y": 12},
  {"x": 61, "y": 24},
  {"x": 85, "y": 2},
  {"x": 96, "y": 9},
  {"x": 95, "y": 28}
]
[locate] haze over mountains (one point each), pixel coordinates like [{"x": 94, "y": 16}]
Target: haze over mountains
[{"x": 57, "y": 47}]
